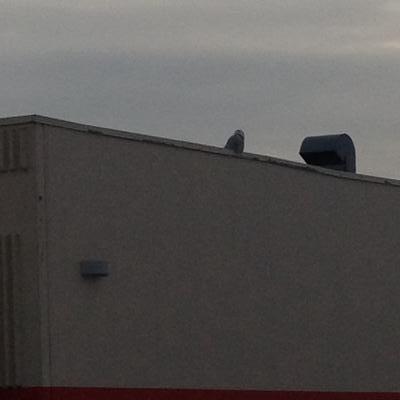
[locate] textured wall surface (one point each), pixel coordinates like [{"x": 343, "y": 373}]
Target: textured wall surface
[
  {"x": 20, "y": 355},
  {"x": 224, "y": 272},
  {"x": 14, "y": 148}
]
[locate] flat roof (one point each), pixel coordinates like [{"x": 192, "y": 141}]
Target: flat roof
[{"x": 91, "y": 129}]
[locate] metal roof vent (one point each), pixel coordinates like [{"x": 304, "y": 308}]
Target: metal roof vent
[{"x": 330, "y": 151}]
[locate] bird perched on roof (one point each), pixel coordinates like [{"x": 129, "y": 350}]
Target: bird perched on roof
[{"x": 236, "y": 142}]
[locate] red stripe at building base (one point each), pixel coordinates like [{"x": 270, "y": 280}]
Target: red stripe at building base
[{"x": 58, "y": 393}]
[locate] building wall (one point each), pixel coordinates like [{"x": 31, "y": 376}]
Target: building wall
[
  {"x": 224, "y": 272},
  {"x": 20, "y": 332}
]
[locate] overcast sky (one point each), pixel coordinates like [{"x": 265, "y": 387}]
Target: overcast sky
[{"x": 197, "y": 70}]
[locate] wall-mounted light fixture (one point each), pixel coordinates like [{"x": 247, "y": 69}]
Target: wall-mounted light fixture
[{"x": 94, "y": 268}]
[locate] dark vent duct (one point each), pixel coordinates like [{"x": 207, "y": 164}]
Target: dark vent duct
[{"x": 330, "y": 151}]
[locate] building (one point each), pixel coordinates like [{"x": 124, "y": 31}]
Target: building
[{"x": 215, "y": 271}]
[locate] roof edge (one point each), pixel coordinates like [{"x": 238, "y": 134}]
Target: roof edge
[{"x": 92, "y": 129}]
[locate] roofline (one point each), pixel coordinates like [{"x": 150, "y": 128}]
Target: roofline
[{"x": 139, "y": 137}]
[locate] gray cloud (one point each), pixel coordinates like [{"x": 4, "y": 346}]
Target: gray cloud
[
  {"x": 280, "y": 70},
  {"x": 211, "y": 26}
]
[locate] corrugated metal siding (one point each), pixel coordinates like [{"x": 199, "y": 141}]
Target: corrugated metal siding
[
  {"x": 10, "y": 256},
  {"x": 13, "y": 149}
]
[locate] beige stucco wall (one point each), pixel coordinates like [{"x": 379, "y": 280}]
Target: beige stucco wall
[
  {"x": 225, "y": 272},
  {"x": 21, "y": 351}
]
